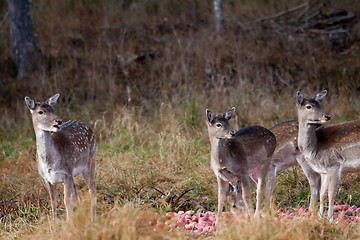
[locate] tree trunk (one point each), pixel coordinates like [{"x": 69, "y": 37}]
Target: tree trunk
[
  {"x": 218, "y": 12},
  {"x": 26, "y": 52}
]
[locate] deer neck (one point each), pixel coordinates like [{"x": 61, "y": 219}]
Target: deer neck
[
  {"x": 307, "y": 139},
  {"x": 216, "y": 148},
  {"x": 215, "y": 142},
  {"x": 45, "y": 149}
]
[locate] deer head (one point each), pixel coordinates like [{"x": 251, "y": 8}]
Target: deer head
[
  {"x": 310, "y": 110},
  {"x": 43, "y": 114},
  {"x": 218, "y": 126}
]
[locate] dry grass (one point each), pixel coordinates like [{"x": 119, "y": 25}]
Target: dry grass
[
  {"x": 142, "y": 78},
  {"x": 126, "y": 222},
  {"x": 297, "y": 228}
]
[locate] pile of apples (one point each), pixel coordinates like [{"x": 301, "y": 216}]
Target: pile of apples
[
  {"x": 342, "y": 213},
  {"x": 197, "y": 223},
  {"x": 204, "y": 223}
]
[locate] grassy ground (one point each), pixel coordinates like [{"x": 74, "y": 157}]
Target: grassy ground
[{"x": 142, "y": 77}]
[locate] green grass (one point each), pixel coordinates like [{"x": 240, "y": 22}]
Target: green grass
[{"x": 169, "y": 170}]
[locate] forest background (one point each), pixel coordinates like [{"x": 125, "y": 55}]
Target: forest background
[{"x": 141, "y": 74}]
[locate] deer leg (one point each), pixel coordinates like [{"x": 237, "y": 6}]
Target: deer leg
[
  {"x": 89, "y": 175},
  {"x": 334, "y": 180},
  {"x": 323, "y": 192},
  {"x": 314, "y": 180},
  {"x": 237, "y": 197},
  {"x": 235, "y": 194},
  {"x": 245, "y": 189},
  {"x": 259, "y": 197},
  {"x": 70, "y": 195},
  {"x": 52, "y": 192},
  {"x": 271, "y": 182},
  {"x": 260, "y": 190},
  {"x": 92, "y": 188},
  {"x": 223, "y": 188}
]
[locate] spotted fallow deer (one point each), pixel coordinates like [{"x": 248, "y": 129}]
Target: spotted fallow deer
[
  {"x": 239, "y": 156},
  {"x": 63, "y": 151},
  {"x": 330, "y": 150},
  {"x": 286, "y": 155}
]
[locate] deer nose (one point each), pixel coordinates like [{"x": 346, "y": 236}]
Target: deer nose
[
  {"x": 59, "y": 122},
  {"x": 232, "y": 133},
  {"x": 327, "y": 116}
]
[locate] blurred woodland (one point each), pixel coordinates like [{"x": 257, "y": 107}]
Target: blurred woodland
[{"x": 144, "y": 53}]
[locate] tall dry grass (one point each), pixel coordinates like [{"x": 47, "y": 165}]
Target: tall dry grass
[
  {"x": 129, "y": 223},
  {"x": 142, "y": 77}
]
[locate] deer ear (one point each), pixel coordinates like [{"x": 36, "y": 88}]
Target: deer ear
[
  {"x": 320, "y": 96},
  {"x": 30, "y": 103},
  {"x": 299, "y": 98},
  {"x": 209, "y": 116},
  {"x": 52, "y": 100},
  {"x": 229, "y": 113}
]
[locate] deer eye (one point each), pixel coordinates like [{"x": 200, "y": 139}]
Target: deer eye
[
  {"x": 308, "y": 107},
  {"x": 218, "y": 125},
  {"x": 40, "y": 112}
]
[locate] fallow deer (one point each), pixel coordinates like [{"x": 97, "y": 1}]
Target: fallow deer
[
  {"x": 239, "y": 156},
  {"x": 63, "y": 151},
  {"x": 330, "y": 150},
  {"x": 286, "y": 155}
]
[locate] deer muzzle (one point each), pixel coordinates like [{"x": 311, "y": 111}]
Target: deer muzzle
[
  {"x": 326, "y": 117},
  {"x": 57, "y": 124}
]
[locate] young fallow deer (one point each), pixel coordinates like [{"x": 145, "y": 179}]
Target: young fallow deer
[
  {"x": 330, "y": 150},
  {"x": 239, "y": 156},
  {"x": 286, "y": 155},
  {"x": 64, "y": 150}
]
